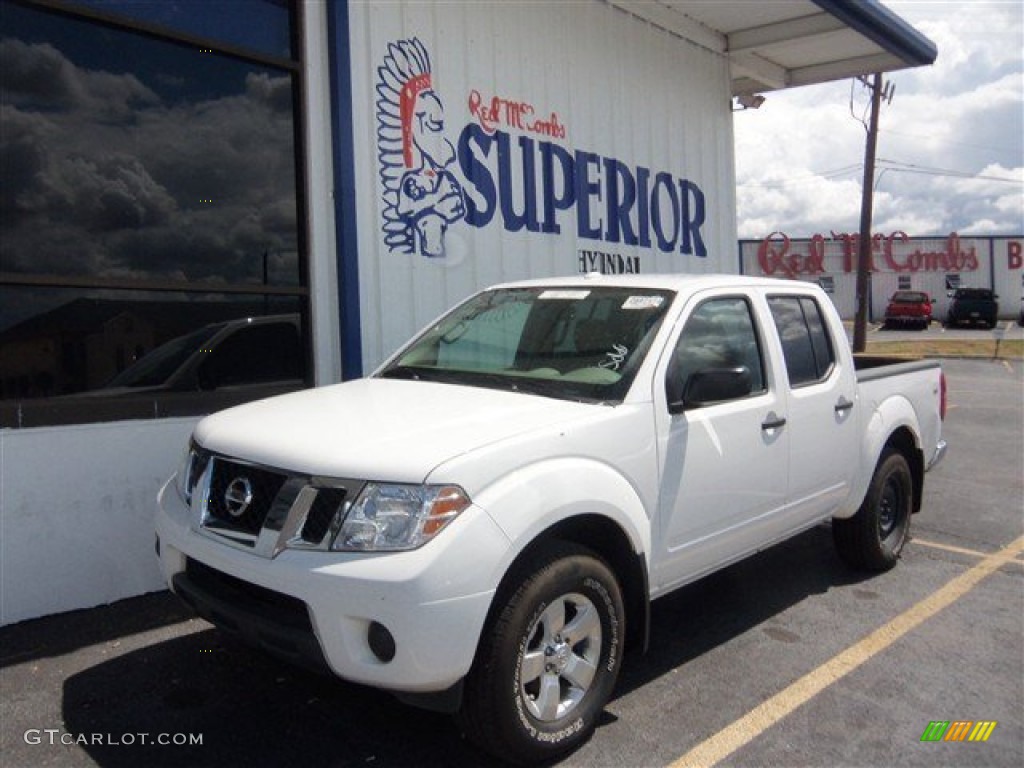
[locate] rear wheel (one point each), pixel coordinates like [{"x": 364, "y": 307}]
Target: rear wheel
[
  {"x": 874, "y": 537},
  {"x": 548, "y": 662}
]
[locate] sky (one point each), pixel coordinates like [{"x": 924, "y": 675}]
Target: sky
[{"x": 950, "y": 147}]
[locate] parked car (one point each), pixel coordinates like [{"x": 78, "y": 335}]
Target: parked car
[
  {"x": 973, "y": 305},
  {"x": 235, "y": 353},
  {"x": 909, "y": 308},
  {"x": 481, "y": 525}
]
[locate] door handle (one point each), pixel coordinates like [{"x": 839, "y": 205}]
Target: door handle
[
  {"x": 843, "y": 405},
  {"x": 772, "y": 421}
]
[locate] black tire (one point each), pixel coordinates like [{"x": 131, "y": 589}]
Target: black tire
[
  {"x": 873, "y": 538},
  {"x": 571, "y": 678}
]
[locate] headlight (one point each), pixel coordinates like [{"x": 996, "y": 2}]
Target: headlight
[
  {"x": 398, "y": 517},
  {"x": 192, "y": 466}
]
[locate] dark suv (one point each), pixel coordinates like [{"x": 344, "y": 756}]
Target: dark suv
[{"x": 973, "y": 305}]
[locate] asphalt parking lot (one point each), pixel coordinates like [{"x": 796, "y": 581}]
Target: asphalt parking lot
[{"x": 786, "y": 659}]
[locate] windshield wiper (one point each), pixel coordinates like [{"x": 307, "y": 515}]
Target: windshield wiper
[{"x": 408, "y": 372}]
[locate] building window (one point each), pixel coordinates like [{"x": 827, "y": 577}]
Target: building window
[{"x": 153, "y": 223}]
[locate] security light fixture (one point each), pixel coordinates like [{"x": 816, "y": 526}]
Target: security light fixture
[{"x": 749, "y": 101}]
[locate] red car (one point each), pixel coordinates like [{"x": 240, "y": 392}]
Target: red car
[{"x": 910, "y": 308}]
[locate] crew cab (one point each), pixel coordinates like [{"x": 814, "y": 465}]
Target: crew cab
[
  {"x": 909, "y": 308},
  {"x": 480, "y": 525}
]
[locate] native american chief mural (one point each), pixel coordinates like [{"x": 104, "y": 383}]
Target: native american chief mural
[{"x": 421, "y": 196}]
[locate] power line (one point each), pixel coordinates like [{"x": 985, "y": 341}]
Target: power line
[
  {"x": 990, "y": 148},
  {"x": 890, "y": 165},
  {"x": 932, "y": 171},
  {"x": 835, "y": 173}
]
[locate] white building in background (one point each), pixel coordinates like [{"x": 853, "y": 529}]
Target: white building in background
[
  {"x": 339, "y": 172},
  {"x": 899, "y": 262}
]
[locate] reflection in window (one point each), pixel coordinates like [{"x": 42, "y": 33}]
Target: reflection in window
[
  {"x": 259, "y": 25},
  {"x": 149, "y": 201},
  {"x": 719, "y": 334},
  {"x": 805, "y": 342},
  {"x": 94, "y": 344},
  {"x": 128, "y": 157}
]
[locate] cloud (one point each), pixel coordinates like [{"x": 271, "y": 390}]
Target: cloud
[
  {"x": 949, "y": 131},
  {"x": 101, "y": 177},
  {"x": 39, "y": 75}
]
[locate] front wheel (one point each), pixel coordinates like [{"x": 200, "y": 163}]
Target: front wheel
[
  {"x": 874, "y": 537},
  {"x": 548, "y": 661}
]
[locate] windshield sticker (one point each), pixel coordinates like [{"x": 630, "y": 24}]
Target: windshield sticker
[
  {"x": 564, "y": 295},
  {"x": 643, "y": 302}
]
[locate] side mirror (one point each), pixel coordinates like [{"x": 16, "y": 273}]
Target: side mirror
[{"x": 712, "y": 385}]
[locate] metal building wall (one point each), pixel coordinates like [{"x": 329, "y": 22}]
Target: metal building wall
[
  {"x": 617, "y": 86},
  {"x": 932, "y": 264}
]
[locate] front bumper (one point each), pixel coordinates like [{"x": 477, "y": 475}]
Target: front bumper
[{"x": 316, "y": 608}]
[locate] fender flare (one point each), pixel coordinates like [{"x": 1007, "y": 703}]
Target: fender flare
[
  {"x": 895, "y": 414},
  {"x": 582, "y": 500},
  {"x": 536, "y": 497}
]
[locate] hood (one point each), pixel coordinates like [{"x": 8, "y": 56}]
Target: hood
[{"x": 378, "y": 429}]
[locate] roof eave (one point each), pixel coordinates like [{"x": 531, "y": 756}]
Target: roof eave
[{"x": 883, "y": 27}]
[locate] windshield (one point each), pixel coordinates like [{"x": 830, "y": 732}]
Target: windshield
[
  {"x": 572, "y": 343},
  {"x": 910, "y": 297}
]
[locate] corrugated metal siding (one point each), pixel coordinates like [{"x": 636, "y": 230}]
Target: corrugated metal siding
[{"x": 622, "y": 87}]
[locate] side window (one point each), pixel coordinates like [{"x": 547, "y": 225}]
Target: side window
[
  {"x": 805, "y": 341},
  {"x": 719, "y": 334}
]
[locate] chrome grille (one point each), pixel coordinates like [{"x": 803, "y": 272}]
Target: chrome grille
[
  {"x": 318, "y": 521},
  {"x": 266, "y": 510},
  {"x": 240, "y": 496}
]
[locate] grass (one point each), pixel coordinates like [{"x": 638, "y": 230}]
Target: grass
[{"x": 990, "y": 349}]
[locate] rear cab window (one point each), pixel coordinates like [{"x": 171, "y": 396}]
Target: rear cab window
[{"x": 806, "y": 345}]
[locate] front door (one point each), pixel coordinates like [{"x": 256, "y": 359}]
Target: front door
[{"x": 724, "y": 465}]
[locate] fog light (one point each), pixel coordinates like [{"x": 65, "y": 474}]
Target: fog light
[{"x": 381, "y": 642}]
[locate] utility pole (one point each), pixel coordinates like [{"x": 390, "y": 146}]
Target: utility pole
[{"x": 860, "y": 322}]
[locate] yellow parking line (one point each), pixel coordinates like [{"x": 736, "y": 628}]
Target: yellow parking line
[
  {"x": 958, "y": 550},
  {"x": 948, "y": 547},
  {"x": 758, "y": 720}
]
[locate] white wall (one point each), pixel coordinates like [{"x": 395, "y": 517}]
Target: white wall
[
  {"x": 1008, "y": 266},
  {"x": 76, "y": 510},
  {"x": 919, "y": 264},
  {"x": 621, "y": 87}
]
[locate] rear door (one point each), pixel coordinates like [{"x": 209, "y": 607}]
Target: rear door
[{"x": 821, "y": 419}]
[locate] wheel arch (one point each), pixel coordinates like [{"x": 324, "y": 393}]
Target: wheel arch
[
  {"x": 892, "y": 426},
  {"x": 608, "y": 541},
  {"x": 903, "y": 441}
]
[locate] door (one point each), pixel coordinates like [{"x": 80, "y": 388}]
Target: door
[
  {"x": 724, "y": 465},
  {"x": 821, "y": 419}
]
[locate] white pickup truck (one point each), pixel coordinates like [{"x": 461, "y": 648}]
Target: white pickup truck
[{"x": 480, "y": 526}]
